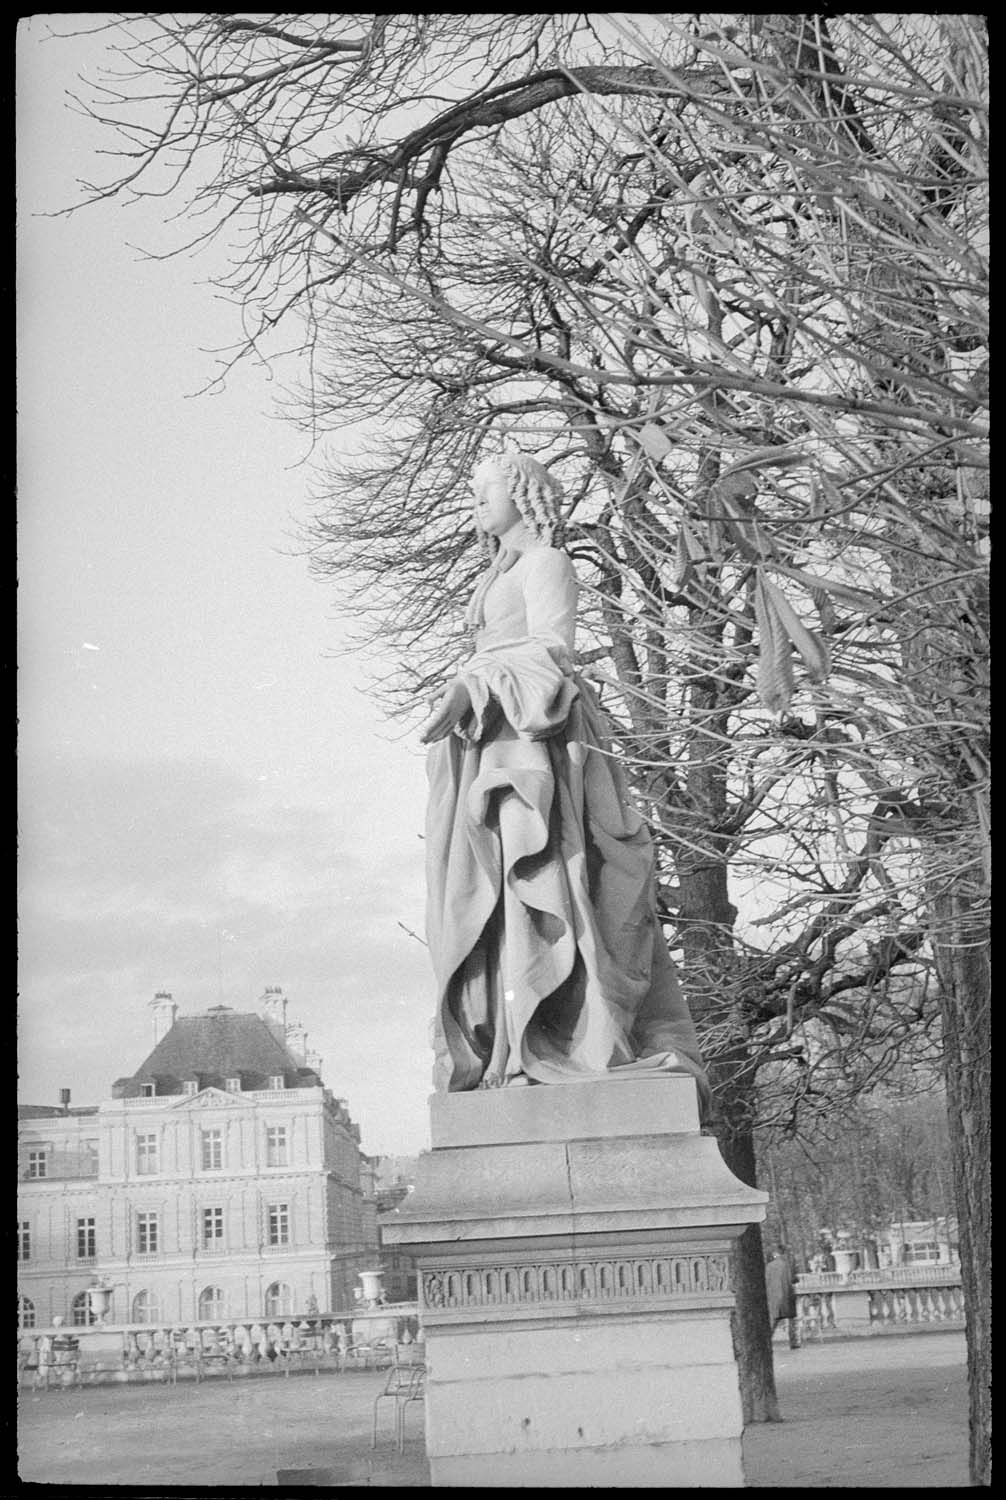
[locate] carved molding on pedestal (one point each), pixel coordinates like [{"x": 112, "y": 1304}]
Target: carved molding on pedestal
[{"x": 604, "y": 1280}]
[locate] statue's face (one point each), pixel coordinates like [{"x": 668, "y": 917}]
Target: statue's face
[{"x": 494, "y": 510}]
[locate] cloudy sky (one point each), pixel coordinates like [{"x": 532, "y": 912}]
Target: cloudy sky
[{"x": 209, "y": 801}]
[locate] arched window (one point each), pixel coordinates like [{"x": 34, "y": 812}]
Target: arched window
[
  {"x": 278, "y": 1300},
  {"x": 211, "y": 1302},
  {"x": 25, "y": 1313},
  {"x": 80, "y": 1311},
  {"x": 146, "y": 1308}
]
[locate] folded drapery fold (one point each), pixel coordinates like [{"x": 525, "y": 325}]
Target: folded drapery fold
[{"x": 541, "y": 917}]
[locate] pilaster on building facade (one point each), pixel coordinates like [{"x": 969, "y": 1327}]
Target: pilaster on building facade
[{"x": 222, "y": 1179}]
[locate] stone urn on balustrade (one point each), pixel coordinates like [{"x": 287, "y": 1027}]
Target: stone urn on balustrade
[
  {"x": 99, "y": 1302},
  {"x": 373, "y": 1289}
]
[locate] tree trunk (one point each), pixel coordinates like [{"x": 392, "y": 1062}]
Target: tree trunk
[
  {"x": 705, "y": 921},
  {"x": 752, "y": 1331},
  {"x": 963, "y": 961}
]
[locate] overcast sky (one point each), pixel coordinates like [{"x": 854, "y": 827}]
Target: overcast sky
[{"x": 209, "y": 802}]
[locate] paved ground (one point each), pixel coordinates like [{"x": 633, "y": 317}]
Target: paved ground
[{"x": 888, "y": 1412}]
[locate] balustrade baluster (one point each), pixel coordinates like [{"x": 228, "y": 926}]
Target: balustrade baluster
[
  {"x": 243, "y": 1343},
  {"x": 260, "y": 1339},
  {"x": 829, "y": 1309}
]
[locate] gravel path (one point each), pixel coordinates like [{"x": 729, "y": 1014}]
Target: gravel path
[{"x": 888, "y": 1412}]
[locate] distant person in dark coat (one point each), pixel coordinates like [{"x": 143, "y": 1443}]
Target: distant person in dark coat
[{"x": 782, "y": 1295}]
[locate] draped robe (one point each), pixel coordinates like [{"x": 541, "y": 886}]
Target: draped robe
[{"x": 541, "y": 914}]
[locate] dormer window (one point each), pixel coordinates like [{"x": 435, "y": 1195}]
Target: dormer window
[
  {"x": 148, "y": 1090},
  {"x": 191, "y": 1085},
  {"x": 277, "y": 1081},
  {"x": 233, "y": 1085}
]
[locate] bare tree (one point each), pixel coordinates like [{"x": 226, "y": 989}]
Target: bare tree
[
  {"x": 731, "y": 282},
  {"x": 860, "y": 1169}
]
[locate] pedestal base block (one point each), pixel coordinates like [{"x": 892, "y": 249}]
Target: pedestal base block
[
  {"x": 575, "y": 1293},
  {"x": 615, "y": 1402},
  {"x": 711, "y": 1465}
]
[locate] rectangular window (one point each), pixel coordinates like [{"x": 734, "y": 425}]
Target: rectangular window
[
  {"x": 85, "y": 1239},
  {"x": 275, "y": 1146},
  {"x": 233, "y": 1085},
  {"x": 146, "y": 1155},
  {"x": 37, "y": 1164},
  {"x": 213, "y": 1150},
  {"x": 23, "y": 1239},
  {"x": 146, "y": 1233},
  {"x": 277, "y": 1081},
  {"x": 191, "y": 1086},
  {"x": 279, "y": 1224},
  {"x": 213, "y": 1228}
]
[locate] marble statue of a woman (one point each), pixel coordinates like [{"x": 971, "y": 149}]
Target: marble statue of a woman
[{"x": 549, "y": 958}]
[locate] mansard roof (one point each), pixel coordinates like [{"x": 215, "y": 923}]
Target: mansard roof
[
  {"x": 54, "y": 1111},
  {"x": 220, "y": 1044}
]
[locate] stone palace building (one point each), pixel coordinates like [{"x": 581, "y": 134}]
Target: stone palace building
[{"x": 222, "y": 1179}]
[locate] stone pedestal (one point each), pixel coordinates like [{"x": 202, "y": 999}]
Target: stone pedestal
[
  {"x": 573, "y": 1245},
  {"x": 851, "y": 1307}
]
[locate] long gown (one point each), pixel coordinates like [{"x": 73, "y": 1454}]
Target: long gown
[{"x": 541, "y": 915}]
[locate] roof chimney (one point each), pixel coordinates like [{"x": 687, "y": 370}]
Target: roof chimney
[
  {"x": 296, "y": 1041},
  {"x": 273, "y": 1004},
  {"x": 165, "y": 1010},
  {"x": 64, "y": 1100}
]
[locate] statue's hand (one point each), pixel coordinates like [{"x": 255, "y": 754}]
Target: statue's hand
[{"x": 451, "y": 709}]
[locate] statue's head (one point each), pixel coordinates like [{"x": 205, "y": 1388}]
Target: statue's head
[{"x": 536, "y": 494}]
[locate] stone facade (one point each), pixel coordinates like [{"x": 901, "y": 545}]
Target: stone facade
[{"x": 223, "y": 1199}]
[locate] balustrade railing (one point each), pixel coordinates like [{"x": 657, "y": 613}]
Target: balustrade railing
[
  {"x": 828, "y": 1303},
  {"x": 948, "y": 1272},
  {"x": 58, "y": 1356},
  {"x": 892, "y": 1299},
  {"x": 917, "y": 1304}
]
